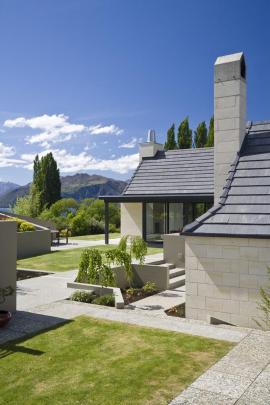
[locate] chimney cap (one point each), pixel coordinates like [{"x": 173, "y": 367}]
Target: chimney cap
[
  {"x": 151, "y": 136},
  {"x": 230, "y": 67}
]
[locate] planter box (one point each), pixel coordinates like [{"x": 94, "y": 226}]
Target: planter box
[{"x": 119, "y": 301}]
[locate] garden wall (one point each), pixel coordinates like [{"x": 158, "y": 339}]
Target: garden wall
[
  {"x": 8, "y": 254},
  {"x": 33, "y": 243},
  {"x": 143, "y": 273},
  {"x": 174, "y": 248},
  {"x": 223, "y": 277}
]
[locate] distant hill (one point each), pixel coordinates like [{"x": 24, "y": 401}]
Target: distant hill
[
  {"x": 78, "y": 186},
  {"x": 5, "y": 187}
]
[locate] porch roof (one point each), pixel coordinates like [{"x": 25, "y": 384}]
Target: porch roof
[{"x": 176, "y": 175}]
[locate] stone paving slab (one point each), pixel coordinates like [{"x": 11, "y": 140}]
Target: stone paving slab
[
  {"x": 194, "y": 396},
  {"x": 243, "y": 375}
]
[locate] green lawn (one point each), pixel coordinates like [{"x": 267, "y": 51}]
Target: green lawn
[
  {"x": 95, "y": 237},
  {"x": 63, "y": 260},
  {"x": 89, "y": 361}
]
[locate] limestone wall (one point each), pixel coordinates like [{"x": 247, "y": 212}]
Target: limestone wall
[
  {"x": 8, "y": 254},
  {"x": 223, "y": 277},
  {"x": 131, "y": 219}
]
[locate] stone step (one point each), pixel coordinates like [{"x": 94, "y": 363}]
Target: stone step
[
  {"x": 177, "y": 282},
  {"x": 177, "y": 271}
]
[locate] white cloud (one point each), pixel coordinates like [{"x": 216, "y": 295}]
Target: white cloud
[
  {"x": 109, "y": 129},
  {"x": 129, "y": 145},
  {"x": 6, "y": 156},
  {"x": 69, "y": 162},
  {"x": 56, "y": 128}
]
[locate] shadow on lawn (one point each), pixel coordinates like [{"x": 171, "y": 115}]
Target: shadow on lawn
[{"x": 25, "y": 325}]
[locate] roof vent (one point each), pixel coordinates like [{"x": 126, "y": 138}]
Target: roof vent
[{"x": 151, "y": 136}]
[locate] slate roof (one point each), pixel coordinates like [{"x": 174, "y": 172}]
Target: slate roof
[
  {"x": 244, "y": 207},
  {"x": 186, "y": 172}
]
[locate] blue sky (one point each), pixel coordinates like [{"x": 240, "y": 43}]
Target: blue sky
[{"x": 87, "y": 78}]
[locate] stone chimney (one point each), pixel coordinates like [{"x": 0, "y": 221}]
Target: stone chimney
[
  {"x": 151, "y": 147},
  {"x": 229, "y": 114}
]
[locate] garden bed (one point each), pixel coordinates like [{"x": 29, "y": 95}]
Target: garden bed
[
  {"x": 131, "y": 295},
  {"x": 26, "y": 274}
]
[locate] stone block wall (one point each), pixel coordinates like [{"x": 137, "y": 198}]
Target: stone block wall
[
  {"x": 131, "y": 219},
  {"x": 223, "y": 277}
]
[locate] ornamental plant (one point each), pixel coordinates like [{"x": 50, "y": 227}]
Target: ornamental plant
[{"x": 264, "y": 306}]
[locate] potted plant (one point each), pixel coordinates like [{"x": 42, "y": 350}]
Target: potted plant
[{"x": 5, "y": 316}]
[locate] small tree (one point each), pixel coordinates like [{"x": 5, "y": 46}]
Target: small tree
[
  {"x": 170, "y": 144},
  {"x": 200, "y": 135},
  {"x": 211, "y": 133},
  {"x": 184, "y": 135}
]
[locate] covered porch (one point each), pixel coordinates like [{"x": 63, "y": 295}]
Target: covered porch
[{"x": 153, "y": 216}]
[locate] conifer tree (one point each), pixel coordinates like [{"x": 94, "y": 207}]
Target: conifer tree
[
  {"x": 211, "y": 133},
  {"x": 200, "y": 135},
  {"x": 184, "y": 135},
  {"x": 170, "y": 144}
]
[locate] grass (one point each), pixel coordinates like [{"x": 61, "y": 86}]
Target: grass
[
  {"x": 95, "y": 237},
  {"x": 63, "y": 260},
  {"x": 90, "y": 361}
]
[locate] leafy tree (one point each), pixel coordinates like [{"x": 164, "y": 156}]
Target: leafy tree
[
  {"x": 184, "y": 135},
  {"x": 48, "y": 180},
  {"x": 211, "y": 133},
  {"x": 28, "y": 205},
  {"x": 170, "y": 144},
  {"x": 200, "y": 135}
]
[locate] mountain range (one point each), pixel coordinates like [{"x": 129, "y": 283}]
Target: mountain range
[{"x": 77, "y": 186}]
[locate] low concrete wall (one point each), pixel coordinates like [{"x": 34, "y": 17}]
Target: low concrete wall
[
  {"x": 223, "y": 278},
  {"x": 174, "y": 249},
  {"x": 33, "y": 243},
  {"x": 143, "y": 273},
  {"x": 131, "y": 219},
  {"x": 119, "y": 300},
  {"x": 8, "y": 254}
]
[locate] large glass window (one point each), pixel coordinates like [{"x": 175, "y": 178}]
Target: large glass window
[
  {"x": 155, "y": 221},
  {"x": 170, "y": 217},
  {"x": 175, "y": 217}
]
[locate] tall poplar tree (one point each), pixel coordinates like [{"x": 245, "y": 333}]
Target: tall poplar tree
[
  {"x": 211, "y": 133},
  {"x": 170, "y": 144},
  {"x": 200, "y": 135},
  {"x": 184, "y": 135}
]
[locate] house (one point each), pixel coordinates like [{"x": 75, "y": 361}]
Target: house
[
  {"x": 226, "y": 249},
  {"x": 167, "y": 191}
]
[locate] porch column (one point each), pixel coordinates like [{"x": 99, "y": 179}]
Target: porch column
[{"x": 106, "y": 218}]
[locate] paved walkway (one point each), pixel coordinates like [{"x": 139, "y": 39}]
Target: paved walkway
[
  {"x": 77, "y": 243},
  {"x": 242, "y": 377}
]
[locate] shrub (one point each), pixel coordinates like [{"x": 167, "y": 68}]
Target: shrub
[
  {"x": 79, "y": 225},
  {"x": 107, "y": 300},
  {"x": 149, "y": 287},
  {"x": 264, "y": 306},
  {"x": 95, "y": 227},
  {"x": 26, "y": 227},
  {"x": 83, "y": 296},
  {"x": 138, "y": 248},
  {"x": 92, "y": 270}
]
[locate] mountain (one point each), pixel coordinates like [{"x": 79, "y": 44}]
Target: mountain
[
  {"x": 5, "y": 187},
  {"x": 10, "y": 197},
  {"x": 78, "y": 186}
]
